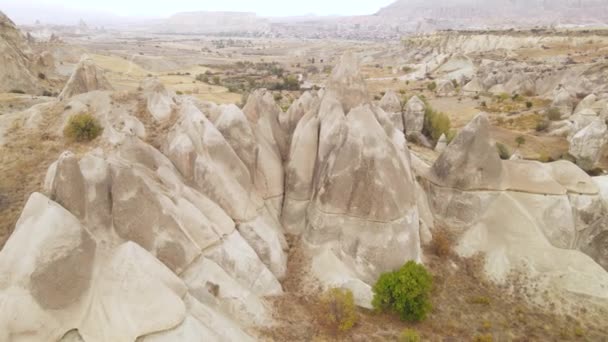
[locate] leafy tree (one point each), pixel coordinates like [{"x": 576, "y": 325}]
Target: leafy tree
[
  {"x": 520, "y": 140},
  {"x": 405, "y": 292}
]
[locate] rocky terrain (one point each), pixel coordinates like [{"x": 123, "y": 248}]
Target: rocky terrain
[{"x": 203, "y": 212}]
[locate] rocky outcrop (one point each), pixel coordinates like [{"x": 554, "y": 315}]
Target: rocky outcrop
[
  {"x": 470, "y": 161},
  {"x": 20, "y": 67},
  {"x": 346, "y": 84},
  {"x": 514, "y": 239},
  {"x": 73, "y": 280},
  {"x": 334, "y": 194},
  {"x": 474, "y": 87},
  {"x": 558, "y": 203},
  {"x": 86, "y": 77},
  {"x": 159, "y": 101},
  {"x": 587, "y": 144},
  {"x": 391, "y": 104},
  {"x": 445, "y": 88},
  {"x": 563, "y": 102},
  {"x": 442, "y": 144},
  {"x": 413, "y": 118}
]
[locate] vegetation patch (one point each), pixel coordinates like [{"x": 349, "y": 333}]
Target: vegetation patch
[
  {"x": 435, "y": 124},
  {"x": 409, "y": 335},
  {"x": 405, "y": 292},
  {"x": 82, "y": 127},
  {"x": 340, "y": 309}
]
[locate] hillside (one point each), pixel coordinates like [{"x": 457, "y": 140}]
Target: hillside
[{"x": 471, "y": 13}]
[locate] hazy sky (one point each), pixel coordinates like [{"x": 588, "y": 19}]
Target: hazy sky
[{"x": 163, "y": 8}]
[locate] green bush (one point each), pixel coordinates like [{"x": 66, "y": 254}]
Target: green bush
[
  {"x": 405, "y": 292},
  {"x": 82, "y": 127},
  {"x": 432, "y": 86},
  {"x": 409, "y": 335},
  {"x": 339, "y": 305},
  {"x": 503, "y": 151},
  {"x": 520, "y": 140},
  {"x": 435, "y": 124},
  {"x": 291, "y": 83},
  {"x": 529, "y": 104}
]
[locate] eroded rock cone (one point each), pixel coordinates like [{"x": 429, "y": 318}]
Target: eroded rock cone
[
  {"x": 414, "y": 115},
  {"x": 346, "y": 83},
  {"x": 563, "y": 102},
  {"x": 159, "y": 101},
  {"x": 336, "y": 193},
  {"x": 86, "y": 77},
  {"x": 587, "y": 144},
  {"x": 471, "y": 160},
  {"x": 391, "y": 104}
]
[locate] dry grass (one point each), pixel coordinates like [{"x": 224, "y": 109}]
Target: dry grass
[
  {"x": 24, "y": 160},
  {"x": 441, "y": 244},
  {"x": 465, "y": 306}
]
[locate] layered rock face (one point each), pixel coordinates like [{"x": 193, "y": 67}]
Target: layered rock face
[
  {"x": 86, "y": 77},
  {"x": 358, "y": 224},
  {"x": 521, "y": 213}
]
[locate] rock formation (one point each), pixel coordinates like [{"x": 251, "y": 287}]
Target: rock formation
[
  {"x": 187, "y": 241},
  {"x": 559, "y": 205},
  {"x": 445, "y": 88},
  {"x": 159, "y": 101},
  {"x": 587, "y": 144},
  {"x": 333, "y": 187},
  {"x": 18, "y": 71},
  {"x": 563, "y": 102},
  {"x": 470, "y": 162},
  {"x": 391, "y": 104},
  {"x": 85, "y": 78},
  {"x": 413, "y": 118}
]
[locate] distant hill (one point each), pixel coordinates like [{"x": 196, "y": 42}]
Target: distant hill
[
  {"x": 492, "y": 13},
  {"x": 215, "y": 22}
]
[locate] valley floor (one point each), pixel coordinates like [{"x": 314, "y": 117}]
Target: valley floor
[{"x": 466, "y": 307}]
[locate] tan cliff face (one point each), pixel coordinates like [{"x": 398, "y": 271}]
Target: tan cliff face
[{"x": 23, "y": 70}]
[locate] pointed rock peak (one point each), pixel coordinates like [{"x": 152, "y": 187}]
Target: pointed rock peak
[
  {"x": 87, "y": 77},
  {"x": 347, "y": 84},
  {"x": 470, "y": 161},
  {"x": 330, "y": 107},
  {"x": 415, "y": 103},
  {"x": 390, "y": 102},
  {"x": 5, "y": 20},
  {"x": 442, "y": 143},
  {"x": 152, "y": 84},
  {"x": 231, "y": 112},
  {"x": 260, "y": 103}
]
